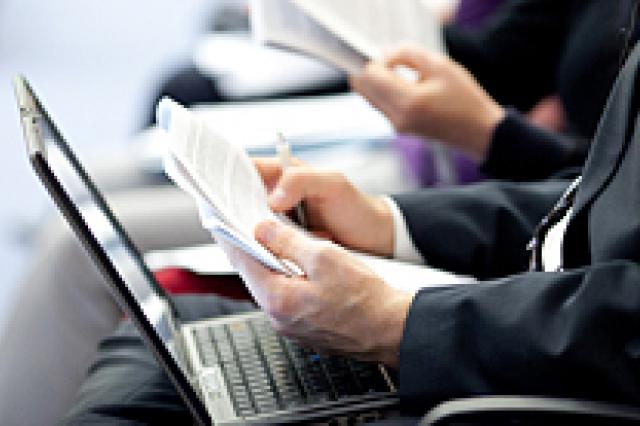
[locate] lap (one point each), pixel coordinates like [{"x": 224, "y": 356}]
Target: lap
[{"x": 125, "y": 385}]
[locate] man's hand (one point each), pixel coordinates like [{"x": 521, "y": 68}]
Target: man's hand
[
  {"x": 340, "y": 306},
  {"x": 445, "y": 103},
  {"x": 335, "y": 209}
]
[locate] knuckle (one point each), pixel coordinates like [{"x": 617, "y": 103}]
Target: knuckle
[
  {"x": 280, "y": 327},
  {"x": 411, "y": 111},
  {"x": 337, "y": 179},
  {"x": 296, "y": 179},
  {"x": 286, "y": 241},
  {"x": 326, "y": 253},
  {"x": 336, "y": 176},
  {"x": 299, "y": 173},
  {"x": 412, "y": 105},
  {"x": 290, "y": 178},
  {"x": 275, "y": 305},
  {"x": 280, "y": 305},
  {"x": 403, "y": 122},
  {"x": 323, "y": 258}
]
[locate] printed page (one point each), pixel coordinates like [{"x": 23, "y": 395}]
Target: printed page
[
  {"x": 281, "y": 23},
  {"x": 219, "y": 175},
  {"x": 217, "y": 170},
  {"x": 372, "y": 26}
]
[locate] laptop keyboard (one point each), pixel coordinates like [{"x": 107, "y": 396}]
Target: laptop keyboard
[{"x": 266, "y": 372}]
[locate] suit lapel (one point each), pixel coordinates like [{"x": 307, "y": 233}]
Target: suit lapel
[{"x": 612, "y": 137}]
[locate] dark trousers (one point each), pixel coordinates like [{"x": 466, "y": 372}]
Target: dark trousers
[{"x": 126, "y": 386}]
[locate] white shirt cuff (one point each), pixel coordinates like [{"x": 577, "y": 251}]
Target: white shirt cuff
[{"x": 403, "y": 247}]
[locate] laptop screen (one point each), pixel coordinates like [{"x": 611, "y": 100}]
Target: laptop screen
[
  {"x": 108, "y": 233},
  {"x": 87, "y": 212}
]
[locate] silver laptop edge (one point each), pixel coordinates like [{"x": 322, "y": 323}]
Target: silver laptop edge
[{"x": 32, "y": 116}]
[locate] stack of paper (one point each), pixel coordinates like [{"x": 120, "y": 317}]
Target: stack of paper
[{"x": 219, "y": 175}]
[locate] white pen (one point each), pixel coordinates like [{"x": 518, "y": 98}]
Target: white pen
[{"x": 284, "y": 155}]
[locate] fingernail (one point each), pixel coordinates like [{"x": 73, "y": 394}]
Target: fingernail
[
  {"x": 277, "y": 196},
  {"x": 266, "y": 231}
]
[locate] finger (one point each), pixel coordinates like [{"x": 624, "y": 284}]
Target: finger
[
  {"x": 412, "y": 57},
  {"x": 299, "y": 183},
  {"x": 261, "y": 281},
  {"x": 287, "y": 243},
  {"x": 270, "y": 169},
  {"x": 375, "y": 78},
  {"x": 383, "y": 88}
]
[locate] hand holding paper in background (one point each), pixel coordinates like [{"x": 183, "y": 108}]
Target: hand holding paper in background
[{"x": 346, "y": 34}]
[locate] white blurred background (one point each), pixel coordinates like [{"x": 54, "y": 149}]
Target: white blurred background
[{"x": 95, "y": 64}]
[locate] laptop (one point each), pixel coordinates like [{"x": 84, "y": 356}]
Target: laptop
[{"x": 229, "y": 370}]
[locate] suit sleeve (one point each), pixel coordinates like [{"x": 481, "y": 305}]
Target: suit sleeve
[
  {"x": 521, "y": 151},
  {"x": 571, "y": 334},
  {"x": 515, "y": 56},
  {"x": 480, "y": 230}
]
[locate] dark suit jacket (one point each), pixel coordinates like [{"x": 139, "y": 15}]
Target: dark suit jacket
[
  {"x": 534, "y": 48},
  {"x": 573, "y": 333}
]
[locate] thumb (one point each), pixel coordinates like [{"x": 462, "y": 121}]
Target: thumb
[
  {"x": 286, "y": 242},
  {"x": 414, "y": 58}
]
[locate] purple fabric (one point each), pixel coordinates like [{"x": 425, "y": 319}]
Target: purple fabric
[
  {"x": 418, "y": 153},
  {"x": 473, "y": 13},
  {"x": 419, "y": 156},
  {"x": 468, "y": 170}
]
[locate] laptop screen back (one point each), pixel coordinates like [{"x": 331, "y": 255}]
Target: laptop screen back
[{"x": 87, "y": 212}]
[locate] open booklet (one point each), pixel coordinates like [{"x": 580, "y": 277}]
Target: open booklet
[
  {"x": 345, "y": 33},
  {"x": 219, "y": 175},
  {"x": 232, "y": 199}
]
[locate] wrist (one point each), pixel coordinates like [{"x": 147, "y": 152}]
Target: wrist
[
  {"x": 391, "y": 330},
  {"x": 383, "y": 243},
  {"x": 492, "y": 116}
]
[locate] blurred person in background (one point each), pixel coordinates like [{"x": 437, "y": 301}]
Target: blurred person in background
[{"x": 526, "y": 53}]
